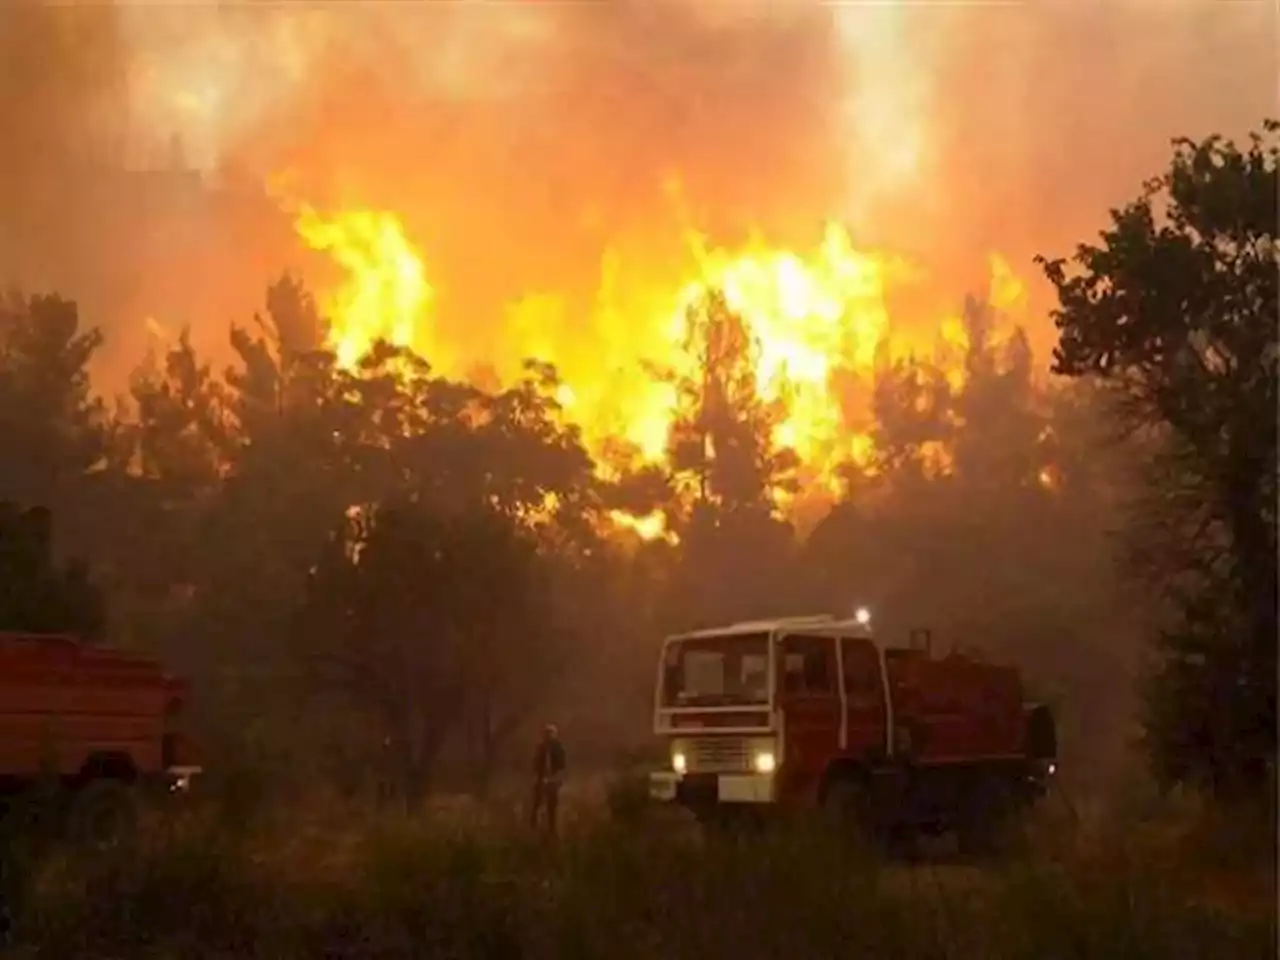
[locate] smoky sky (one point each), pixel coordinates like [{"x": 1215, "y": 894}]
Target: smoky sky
[{"x": 519, "y": 141}]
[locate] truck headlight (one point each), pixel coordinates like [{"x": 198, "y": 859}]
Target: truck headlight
[
  {"x": 765, "y": 762},
  {"x": 678, "y": 762}
]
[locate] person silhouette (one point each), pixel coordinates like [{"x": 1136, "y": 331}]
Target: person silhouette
[{"x": 548, "y": 773}]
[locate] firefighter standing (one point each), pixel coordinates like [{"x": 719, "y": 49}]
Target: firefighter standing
[{"x": 548, "y": 773}]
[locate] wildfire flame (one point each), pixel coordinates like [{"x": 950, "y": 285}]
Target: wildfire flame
[
  {"x": 651, "y": 526},
  {"x": 387, "y": 295},
  {"x": 812, "y": 317}
]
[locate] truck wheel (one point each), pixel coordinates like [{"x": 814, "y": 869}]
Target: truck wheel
[{"x": 103, "y": 815}]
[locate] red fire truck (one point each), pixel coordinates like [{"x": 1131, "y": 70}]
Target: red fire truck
[
  {"x": 93, "y": 721},
  {"x": 812, "y": 710}
]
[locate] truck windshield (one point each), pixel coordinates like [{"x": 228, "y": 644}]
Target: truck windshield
[{"x": 716, "y": 671}]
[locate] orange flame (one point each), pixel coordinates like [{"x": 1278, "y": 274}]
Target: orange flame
[{"x": 811, "y": 315}]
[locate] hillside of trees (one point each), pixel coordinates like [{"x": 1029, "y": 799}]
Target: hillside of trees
[{"x": 384, "y": 576}]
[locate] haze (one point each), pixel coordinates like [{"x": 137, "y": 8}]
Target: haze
[{"x": 519, "y": 142}]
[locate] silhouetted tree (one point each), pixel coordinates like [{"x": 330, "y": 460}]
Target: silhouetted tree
[
  {"x": 722, "y": 437},
  {"x": 1176, "y": 312},
  {"x": 1003, "y": 406},
  {"x": 168, "y": 445},
  {"x": 181, "y": 428},
  {"x": 52, "y": 431},
  {"x": 420, "y": 617},
  {"x": 733, "y": 548},
  {"x": 306, "y": 441},
  {"x": 35, "y": 595},
  {"x": 912, "y": 404},
  {"x": 459, "y": 447}
]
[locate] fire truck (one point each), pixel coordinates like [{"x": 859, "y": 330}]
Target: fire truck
[
  {"x": 96, "y": 723},
  {"x": 813, "y": 711}
]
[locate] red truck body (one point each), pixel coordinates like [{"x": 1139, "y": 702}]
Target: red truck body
[
  {"x": 80, "y": 713},
  {"x": 813, "y": 710}
]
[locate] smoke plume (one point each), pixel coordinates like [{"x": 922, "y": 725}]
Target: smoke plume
[{"x": 520, "y": 142}]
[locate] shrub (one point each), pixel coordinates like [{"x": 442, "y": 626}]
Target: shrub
[{"x": 366, "y": 884}]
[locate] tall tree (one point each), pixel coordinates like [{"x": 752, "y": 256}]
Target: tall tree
[
  {"x": 722, "y": 438},
  {"x": 294, "y": 431},
  {"x": 169, "y": 446},
  {"x": 182, "y": 431},
  {"x": 52, "y": 430},
  {"x": 457, "y": 447},
  {"x": 422, "y": 619},
  {"x": 733, "y": 548},
  {"x": 1001, "y": 452},
  {"x": 1176, "y": 311},
  {"x": 912, "y": 401},
  {"x": 36, "y": 596},
  {"x": 313, "y": 440},
  {"x": 54, "y": 433}
]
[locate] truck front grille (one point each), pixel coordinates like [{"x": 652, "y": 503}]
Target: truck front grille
[{"x": 717, "y": 754}]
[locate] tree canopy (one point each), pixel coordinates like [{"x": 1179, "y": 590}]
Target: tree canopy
[
  {"x": 1175, "y": 312},
  {"x": 422, "y": 619},
  {"x": 36, "y": 596}
]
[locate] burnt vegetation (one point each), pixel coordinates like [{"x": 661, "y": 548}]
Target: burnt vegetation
[{"x": 380, "y": 581}]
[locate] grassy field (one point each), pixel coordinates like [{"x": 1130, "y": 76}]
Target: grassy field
[{"x": 460, "y": 882}]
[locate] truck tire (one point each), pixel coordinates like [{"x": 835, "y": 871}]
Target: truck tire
[{"x": 103, "y": 814}]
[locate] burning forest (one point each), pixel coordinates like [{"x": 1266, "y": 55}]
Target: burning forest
[{"x": 403, "y": 374}]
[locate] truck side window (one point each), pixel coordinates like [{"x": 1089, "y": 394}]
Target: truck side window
[
  {"x": 807, "y": 666},
  {"x": 861, "y": 673}
]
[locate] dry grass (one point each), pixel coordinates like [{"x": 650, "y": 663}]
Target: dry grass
[{"x": 462, "y": 882}]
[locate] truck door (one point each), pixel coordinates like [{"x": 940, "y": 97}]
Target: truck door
[
  {"x": 865, "y": 714},
  {"x": 809, "y": 696}
]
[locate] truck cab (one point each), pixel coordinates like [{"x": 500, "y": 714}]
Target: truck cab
[{"x": 754, "y": 712}]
